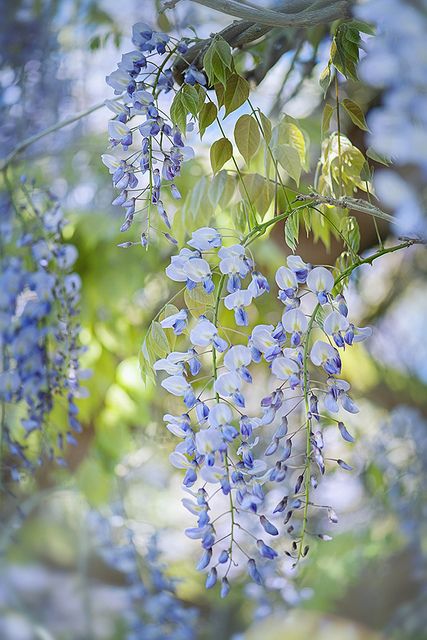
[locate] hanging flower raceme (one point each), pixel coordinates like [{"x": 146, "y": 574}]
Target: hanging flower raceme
[
  {"x": 39, "y": 329},
  {"x": 147, "y": 176},
  {"x": 152, "y": 608},
  {"x": 252, "y": 460}
]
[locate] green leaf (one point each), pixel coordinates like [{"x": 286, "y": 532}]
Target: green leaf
[
  {"x": 157, "y": 339},
  {"x": 257, "y": 190},
  {"x": 198, "y": 301},
  {"x": 190, "y": 99},
  {"x": 221, "y": 189},
  {"x": 345, "y": 50},
  {"x": 356, "y": 114},
  {"x": 207, "y": 116},
  {"x": 247, "y": 136},
  {"x": 326, "y": 118},
  {"x": 362, "y": 26},
  {"x": 266, "y": 127},
  {"x": 287, "y": 132},
  {"x": 236, "y": 93},
  {"x": 220, "y": 94},
  {"x": 241, "y": 216},
  {"x": 371, "y": 153},
  {"x": 351, "y": 232},
  {"x": 195, "y": 202},
  {"x": 292, "y": 230},
  {"x": 179, "y": 112},
  {"x": 289, "y": 159},
  {"x": 325, "y": 79},
  {"x": 221, "y": 152},
  {"x": 218, "y": 60}
]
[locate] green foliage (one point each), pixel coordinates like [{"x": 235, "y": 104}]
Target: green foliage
[
  {"x": 292, "y": 230},
  {"x": 178, "y": 112},
  {"x": 345, "y": 50},
  {"x": 207, "y": 116},
  {"x": 198, "y": 301},
  {"x": 236, "y": 93},
  {"x": 247, "y": 136},
  {"x": 221, "y": 151},
  {"x": 221, "y": 189},
  {"x": 356, "y": 114},
  {"x": 218, "y": 61},
  {"x": 257, "y": 191},
  {"x": 289, "y": 148}
]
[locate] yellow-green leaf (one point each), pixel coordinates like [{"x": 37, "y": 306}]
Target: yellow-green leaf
[
  {"x": 221, "y": 151},
  {"x": 207, "y": 116},
  {"x": 266, "y": 127},
  {"x": 236, "y": 93},
  {"x": 356, "y": 114},
  {"x": 257, "y": 190},
  {"x": 198, "y": 301},
  {"x": 221, "y": 189},
  {"x": 190, "y": 99},
  {"x": 157, "y": 339},
  {"x": 289, "y": 158},
  {"x": 247, "y": 136},
  {"x": 218, "y": 60},
  {"x": 179, "y": 112},
  {"x": 326, "y": 118}
]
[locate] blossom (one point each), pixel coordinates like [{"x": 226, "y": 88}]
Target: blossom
[
  {"x": 233, "y": 264},
  {"x": 177, "y": 322},
  {"x": 321, "y": 281},
  {"x": 205, "y": 238},
  {"x": 299, "y": 267},
  {"x": 175, "y": 271},
  {"x": 237, "y": 359},
  {"x": 263, "y": 342},
  {"x": 286, "y": 369},
  {"x": 337, "y": 395},
  {"x": 238, "y": 300},
  {"x": 294, "y": 322},
  {"x": 228, "y": 385},
  {"x": 177, "y": 385},
  {"x": 205, "y": 333},
  {"x": 287, "y": 282},
  {"x": 334, "y": 324},
  {"x": 209, "y": 440},
  {"x": 198, "y": 270},
  {"x": 323, "y": 354},
  {"x": 220, "y": 415},
  {"x": 258, "y": 285}
]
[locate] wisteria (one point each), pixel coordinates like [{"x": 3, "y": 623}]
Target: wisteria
[
  {"x": 251, "y": 459},
  {"x": 153, "y": 610},
  {"x": 399, "y": 124},
  {"x": 40, "y": 351},
  {"x": 148, "y": 175}
]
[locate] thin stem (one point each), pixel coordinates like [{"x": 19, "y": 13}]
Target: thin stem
[
  {"x": 337, "y": 99},
  {"x": 55, "y": 127}
]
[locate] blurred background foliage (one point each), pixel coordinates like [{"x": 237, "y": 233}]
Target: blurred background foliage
[{"x": 370, "y": 581}]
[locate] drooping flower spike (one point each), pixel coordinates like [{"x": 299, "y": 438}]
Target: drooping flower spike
[
  {"x": 144, "y": 177},
  {"x": 237, "y": 444}
]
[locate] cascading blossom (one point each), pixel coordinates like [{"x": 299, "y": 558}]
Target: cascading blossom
[
  {"x": 262, "y": 456},
  {"x": 39, "y": 329},
  {"x": 148, "y": 175}
]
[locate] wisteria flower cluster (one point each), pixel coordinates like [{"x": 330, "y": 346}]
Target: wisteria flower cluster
[
  {"x": 39, "y": 328},
  {"x": 144, "y": 177},
  {"x": 399, "y": 125},
  {"x": 251, "y": 460},
  {"x": 153, "y": 611}
]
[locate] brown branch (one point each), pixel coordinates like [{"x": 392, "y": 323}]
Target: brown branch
[
  {"x": 244, "y": 32},
  {"x": 292, "y": 13}
]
